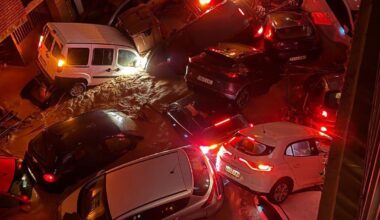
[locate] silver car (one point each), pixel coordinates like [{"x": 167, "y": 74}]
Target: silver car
[{"x": 175, "y": 184}]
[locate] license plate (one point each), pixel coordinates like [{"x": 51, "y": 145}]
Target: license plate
[
  {"x": 303, "y": 57},
  {"x": 205, "y": 80},
  {"x": 32, "y": 175},
  {"x": 233, "y": 172}
]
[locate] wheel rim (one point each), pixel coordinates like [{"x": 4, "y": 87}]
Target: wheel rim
[
  {"x": 281, "y": 192},
  {"x": 76, "y": 90},
  {"x": 243, "y": 98}
]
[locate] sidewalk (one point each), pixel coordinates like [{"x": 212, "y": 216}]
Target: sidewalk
[{"x": 12, "y": 81}]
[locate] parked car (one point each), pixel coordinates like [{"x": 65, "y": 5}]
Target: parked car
[
  {"x": 232, "y": 70},
  {"x": 203, "y": 121},
  {"x": 290, "y": 36},
  {"x": 275, "y": 158},
  {"x": 322, "y": 101},
  {"x": 73, "y": 149},
  {"x": 16, "y": 186},
  {"x": 175, "y": 184},
  {"x": 77, "y": 55}
]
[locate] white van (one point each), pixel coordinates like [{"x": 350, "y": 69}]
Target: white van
[{"x": 77, "y": 55}]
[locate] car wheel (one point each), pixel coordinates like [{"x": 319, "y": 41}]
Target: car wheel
[
  {"x": 77, "y": 89},
  {"x": 280, "y": 191},
  {"x": 242, "y": 98}
]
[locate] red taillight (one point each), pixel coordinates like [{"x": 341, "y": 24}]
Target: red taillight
[
  {"x": 206, "y": 149},
  {"x": 50, "y": 178},
  {"x": 259, "y": 32},
  {"x": 250, "y": 125},
  {"x": 40, "y": 42},
  {"x": 60, "y": 65},
  {"x": 25, "y": 199},
  {"x": 204, "y": 2},
  {"x": 324, "y": 113},
  {"x": 268, "y": 33},
  {"x": 223, "y": 152},
  {"x": 232, "y": 75},
  {"x": 256, "y": 167},
  {"x": 222, "y": 122},
  {"x": 323, "y": 129}
]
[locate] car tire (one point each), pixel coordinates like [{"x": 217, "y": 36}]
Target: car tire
[
  {"x": 77, "y": 89},
  {"x": 243, "y": 98},
  {"x": 280, "y": 191}
]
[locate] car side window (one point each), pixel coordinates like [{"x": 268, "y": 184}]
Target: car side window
[
  {"x": 323, "y": 144},
  {"x": 302, "y": 149},
  {"x": 102, "y": 56},
  {"x": 56, "y": 50},
  {"x": 126, "y": 58},
  {"x": 49, "y": 41},
  {"x": 162, "y": 211},
  {"x": 77, "y": 56}
]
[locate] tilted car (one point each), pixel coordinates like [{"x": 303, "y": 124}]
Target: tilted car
[
  {"x": 275, "y": 158},
  {"x": 175, "y": 184},
  {"x": 290, "y": 36},
  {"x": 203, "y": 121},
  {"x": 16, "y": 186},
  {"x": 73, "y": 149},
  {"x": 232, "y": 70}
]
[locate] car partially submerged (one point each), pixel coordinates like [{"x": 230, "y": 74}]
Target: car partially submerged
[{"x": 205, "y": 121}]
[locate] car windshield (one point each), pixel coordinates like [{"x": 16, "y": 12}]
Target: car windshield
[
  {"x": 332, "y": 99},
  {"x": 294, "y": 32},
  {"x": 224, "y": 128},
  {"x": 93, "y": 202},
  {"x": 200, "y": 171},
  {"x": 250, "y": 146}
]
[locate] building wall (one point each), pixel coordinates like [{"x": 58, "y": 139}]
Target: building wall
[{"x": 11, "y": 14}]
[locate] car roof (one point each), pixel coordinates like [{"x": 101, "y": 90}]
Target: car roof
[
  {"x": 7, "y": 171},
  {"x": 147, "y": 181},
  {"x": 92, "y": 126},
  {"x": 80, "y": 33},
  {"x": 285, "y": 19},
  {"x": 277, "y": 133},
  {"x": 234, "y": 50}
]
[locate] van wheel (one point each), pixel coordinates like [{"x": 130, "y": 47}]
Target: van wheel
[
  {"x": 77, "y": 89},
  {"x": 243, "y": 98},
  {"x": 280, "y": 191}
]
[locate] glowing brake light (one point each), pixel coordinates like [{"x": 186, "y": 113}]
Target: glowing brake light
[
  {"x": 222, "y": 122},
  {"x": 324, "y": 113},
  {"x": 204, "y": 2},
  {"x": 323, "y": 129},
  {"x": 232, "y": 75},
  {"x": 206, "y": 149},
  {"x": 40, "y": 42},
  {"x": 223, "y": 152},
  {"x": 253, "y": 166},
  {"x": 259, "y": 32},
  {"x": 268, "y": 33},
  {"x": 50, "y": 178},
  {"x": 60, "y": 65}
]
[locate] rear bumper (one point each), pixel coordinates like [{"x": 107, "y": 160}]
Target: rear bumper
[{"x": 286, "y": 55}]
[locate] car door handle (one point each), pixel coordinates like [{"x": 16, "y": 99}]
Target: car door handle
[{"x": 108, "y": 70}]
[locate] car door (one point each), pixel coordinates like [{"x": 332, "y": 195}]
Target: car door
[
  {"x": 55, "y": 55},
  {"x": 102, "y": 63},
  {"x": 44, "y": 51},
  {"x": 126, "y": 62},
  {"x": 305, "y": 162}
]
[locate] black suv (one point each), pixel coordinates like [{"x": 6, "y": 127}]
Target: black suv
[
  {"x": 70, "y": 150},
  {"x": 290, "y": 36},
  {"x": 232, "y": 70}
]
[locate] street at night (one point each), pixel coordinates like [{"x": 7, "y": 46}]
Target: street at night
[{"x": 189, "y": 109}]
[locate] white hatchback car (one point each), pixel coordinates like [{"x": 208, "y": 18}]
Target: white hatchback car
[
  {"x": 175, "y": 184},
  {"x": 275, "y": 158}
]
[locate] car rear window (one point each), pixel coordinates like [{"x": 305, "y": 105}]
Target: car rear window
[
  {"x": 77, "y": 56},
  {"x": 294, "y": 32},
  {"x": 49, "y": 41},
  {"x": 44, "y": 146},
  {"x": 200, "y": 171},
  {"x": 56, "y": 50},
  {"x": 218, "y": 59},
  {"x": 93, "y": 202},
  {"x": 250, "y": 146},
  {"x": 220, "y": 130},
  {"x": 332, "y": 99}
]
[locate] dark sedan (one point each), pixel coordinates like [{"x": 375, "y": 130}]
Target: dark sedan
[
  {"x": 70, "y": 150},
  {"x": 290, "y": 36},
  {"x": 203, "y": 121},
  {"x": 232, "y": 70}
]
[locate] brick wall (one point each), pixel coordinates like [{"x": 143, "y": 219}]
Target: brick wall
[{"x": 10, "y": 12}]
